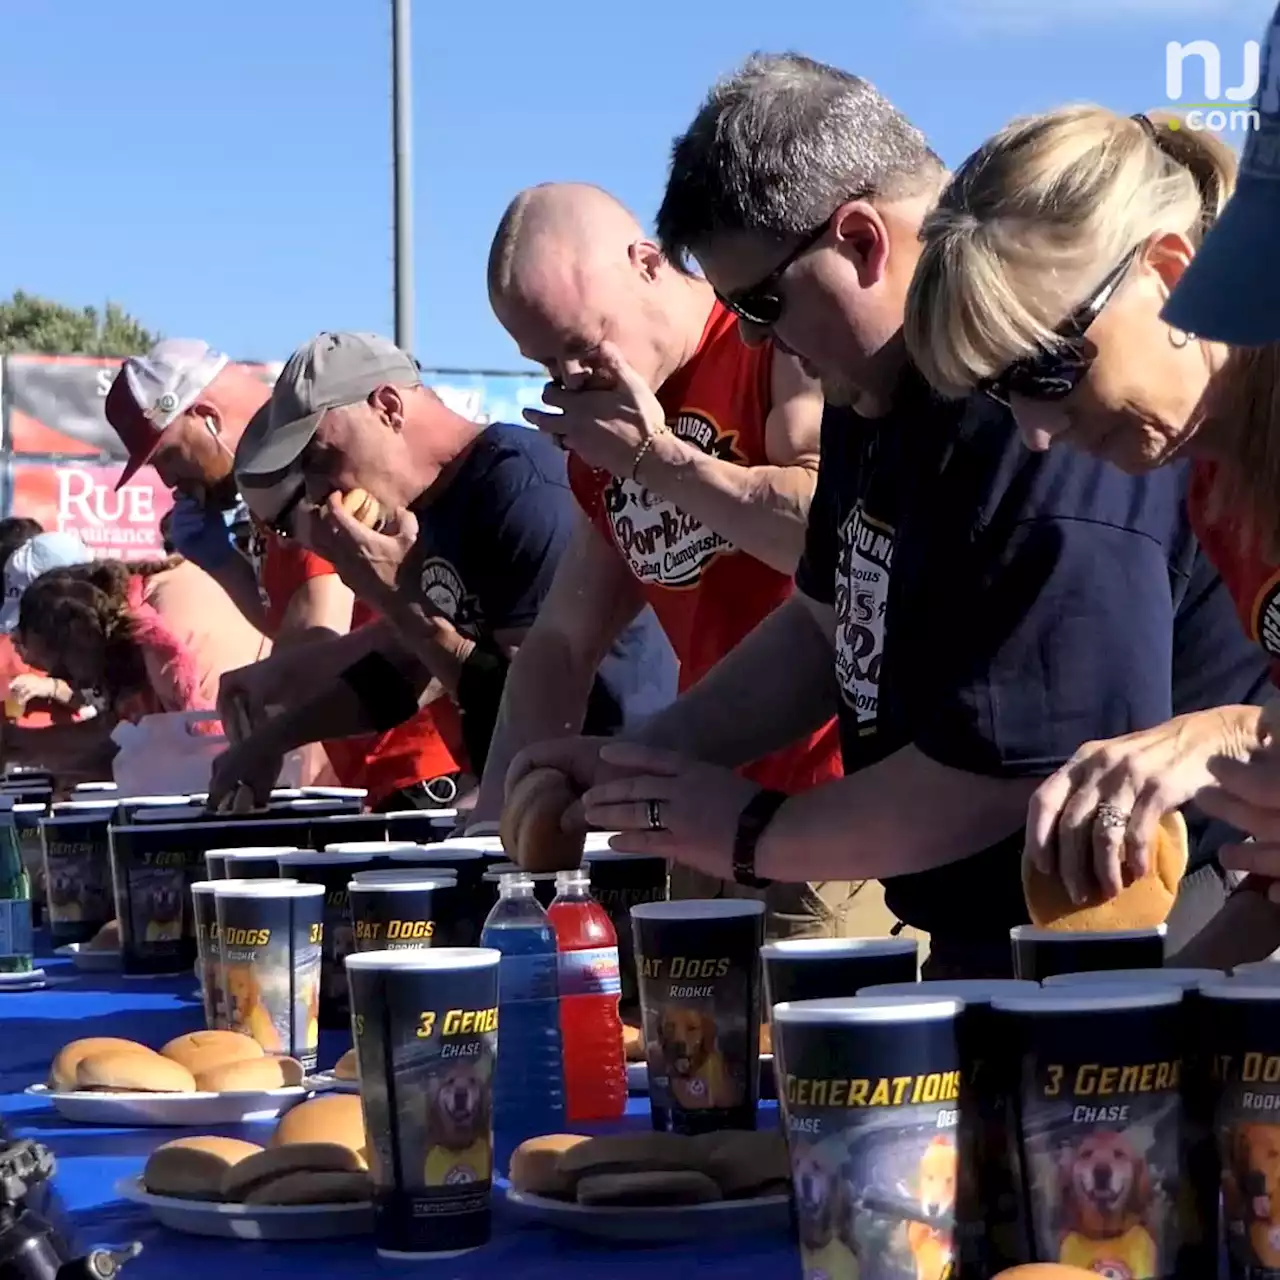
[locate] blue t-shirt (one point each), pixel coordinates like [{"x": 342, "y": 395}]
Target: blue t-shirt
[
  {"x": 487, "y": 550},
  {"x": 998, "y": 608}
]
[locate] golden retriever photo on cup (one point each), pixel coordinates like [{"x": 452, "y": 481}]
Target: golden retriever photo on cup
[
  {"x": 822, "y": 1211},
  {"x": 1251, "y": 1190},
  {"x": 246, "y": 1009},
  {"x": 1106, "y": 1201},
  {"x": 163, "y": 910},
  {"x": 698, "y": 1075},
  {"x": 458, "y": 1124}
]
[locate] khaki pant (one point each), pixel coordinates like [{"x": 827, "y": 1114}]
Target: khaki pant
[{"x": 823, "y": 909}]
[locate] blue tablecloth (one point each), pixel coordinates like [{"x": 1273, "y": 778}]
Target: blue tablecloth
[{"x": 34, "y": 1025}]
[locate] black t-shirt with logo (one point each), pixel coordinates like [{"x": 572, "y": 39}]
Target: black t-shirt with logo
[
  {"x": 487, "y": 550},
  {"x": 997, "y": 608}
]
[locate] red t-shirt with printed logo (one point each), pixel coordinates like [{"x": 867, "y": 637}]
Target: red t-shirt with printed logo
[
  {"x": 415, "y": 751},
  {"x": 1251, "y": 576},
  {"x": 707, "y": 594}
]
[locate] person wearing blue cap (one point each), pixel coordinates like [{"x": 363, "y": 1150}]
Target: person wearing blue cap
[{"x": 1079, "y": 267}]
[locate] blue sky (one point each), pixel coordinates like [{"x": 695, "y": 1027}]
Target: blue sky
[{"x": 223, "y": 170}]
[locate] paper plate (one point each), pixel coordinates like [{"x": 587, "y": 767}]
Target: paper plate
[
  {"x": 32, "y": 980},
  {"x": 327, "y": 1082},
  {"x": 638, "y": 1074},
  {"x": 89, "y": 959},
  {"x": 656, "y": 1224},
  {"x": 251, "y": 1221},
  {"x": 172, "y": 1110}
]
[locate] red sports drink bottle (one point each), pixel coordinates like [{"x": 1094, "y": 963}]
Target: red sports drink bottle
[{"x": 595, "y": 1066}]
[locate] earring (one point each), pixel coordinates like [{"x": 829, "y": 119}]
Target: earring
[{"x": 1179, "y": 339}]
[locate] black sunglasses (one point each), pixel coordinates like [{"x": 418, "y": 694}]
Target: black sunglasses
[
  {"x": 760, "y": 304},
  {"x": 1053, "y": 373}
]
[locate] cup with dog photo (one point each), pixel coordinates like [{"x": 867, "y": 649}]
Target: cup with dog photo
[
  {"x": 469, "y": 863},
  {"x": 1198, "y": 1254},
  {"x": 153, "y": 866},
  {"x": 255, "y": 864},
  {"x": 869, "y": 1089},
  {"x": 698, "y": 969},
  {"x": 421, "y": 826},
  {"x": 333, "y": 872},
  {"x": 77, "y": 873},
  {"x": 1043, "y": 953},
  {"x": 1098, "y": 1125},
  {"x": 209, "y": 949},
  {"x": 348, "y": 828},
  {"x": 271, "y": 934},
  {"x": 988, "y": 1229},
  {"x": 1242, "y": 1035},
  {"x": 399, "y": 914},
  {"x": 620, "y": 881},
  {"x": 425, "y": 1025}
]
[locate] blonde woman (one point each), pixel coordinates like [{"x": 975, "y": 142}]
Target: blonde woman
[{"x": 1046, "y": 267}]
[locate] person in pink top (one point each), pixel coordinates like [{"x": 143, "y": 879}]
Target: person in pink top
[{"x": 146, "y": 638}]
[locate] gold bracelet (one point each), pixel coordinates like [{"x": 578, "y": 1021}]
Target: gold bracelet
[{"x": 643, "y": 452}]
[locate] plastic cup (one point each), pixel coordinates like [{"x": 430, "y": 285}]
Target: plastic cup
[
  {"x": 869, "y": 1089},
  {"x": 426, "y": 1037},
  {"x": 698, "y": 963},
  {"x": 333, "y": 872},
  {"x": 209, "y": 951},
  {"x": 270, "y": 932},
  {"x": 77, "y": 873},
  {"x": 620, "y": 881},
  {"x": 1098, "y": 1128},
  {"x": 399, "y": 915},
  {"x": 1042, "y": 953}
]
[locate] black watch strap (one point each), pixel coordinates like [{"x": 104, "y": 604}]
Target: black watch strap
[{"x": 752, "y": 821}]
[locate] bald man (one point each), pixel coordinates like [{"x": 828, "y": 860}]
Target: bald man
[{"x": 693, "y": 457}]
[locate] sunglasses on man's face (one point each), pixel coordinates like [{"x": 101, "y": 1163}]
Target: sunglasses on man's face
[
  {"x": 1053, "y": 373},
  {"x": 760, "y": 304}
]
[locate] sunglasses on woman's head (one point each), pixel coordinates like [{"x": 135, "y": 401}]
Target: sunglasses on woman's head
[
  {"x": 1053, "y": 373},
  {"x": 760, "y": 304}
]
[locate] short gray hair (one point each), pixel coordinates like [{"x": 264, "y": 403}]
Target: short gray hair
[{"x": 779, "y": 145}]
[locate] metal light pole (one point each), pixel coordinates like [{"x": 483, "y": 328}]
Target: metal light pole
[{"x": 402, "y": 167}]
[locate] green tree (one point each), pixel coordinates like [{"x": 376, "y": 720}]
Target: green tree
[{"x": 29, "y": 323}]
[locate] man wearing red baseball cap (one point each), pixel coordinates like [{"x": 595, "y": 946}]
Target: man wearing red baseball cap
[{"x": 182, "y": 408}]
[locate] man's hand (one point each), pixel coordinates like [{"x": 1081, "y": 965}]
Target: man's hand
[
  {"x": 607, "y": 418},
  {"x": 200, "y": 534},
  {"x": 667, "y": 805},
  {"x": 1095, "y": 819},
  {"x": 250, "y": 766},
  {"x": 368, "y": 562},
  {"x": 246, "y": 696},
  {"x": 577, "y": 758}
]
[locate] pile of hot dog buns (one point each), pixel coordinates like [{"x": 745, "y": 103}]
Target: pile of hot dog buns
[
  {"x": 318, "y": 1154},
  {"x": 635, "y": 1169},
  {"x": 199, "y": 1062}
]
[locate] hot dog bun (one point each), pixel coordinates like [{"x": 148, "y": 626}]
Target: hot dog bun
[
  {"x": 363, "y": 507},
  {"x": 250, "y": 1075},
  {"x": 331, "y": 1118},
  {"x": 129, "y": 1072},
  {"x": 201, "y": 1051},
  {"x": 62, "y": 1074},
  {"x": 106, "y": 939},
  {"x": 346, "y": 1067},
  {"x": 535, "y": 1165},
  {"x": 1140, "y": 905},
  {"x": 530, "y": 826},
  {"x": 194, "y": 1168},
  {"x": 264, "y": 1167}
]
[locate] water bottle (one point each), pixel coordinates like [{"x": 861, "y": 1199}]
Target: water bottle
[
  {"x": 528, "y": 1085},
  {"x": 595, "y": 1065},
  {"x": 16, "y": 941}
]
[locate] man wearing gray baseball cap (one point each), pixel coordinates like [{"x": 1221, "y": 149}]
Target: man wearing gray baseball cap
[{"x": 448, "y": 529}]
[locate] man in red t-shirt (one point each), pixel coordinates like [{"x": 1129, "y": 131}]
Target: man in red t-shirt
[
  {"x": 412, "y": 765},
  {"x": 699, "y": 510}
]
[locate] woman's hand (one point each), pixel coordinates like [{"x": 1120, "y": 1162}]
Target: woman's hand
[
  {"x": 26, "y": 688},
  {"x": 1092, "y": 823}
]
